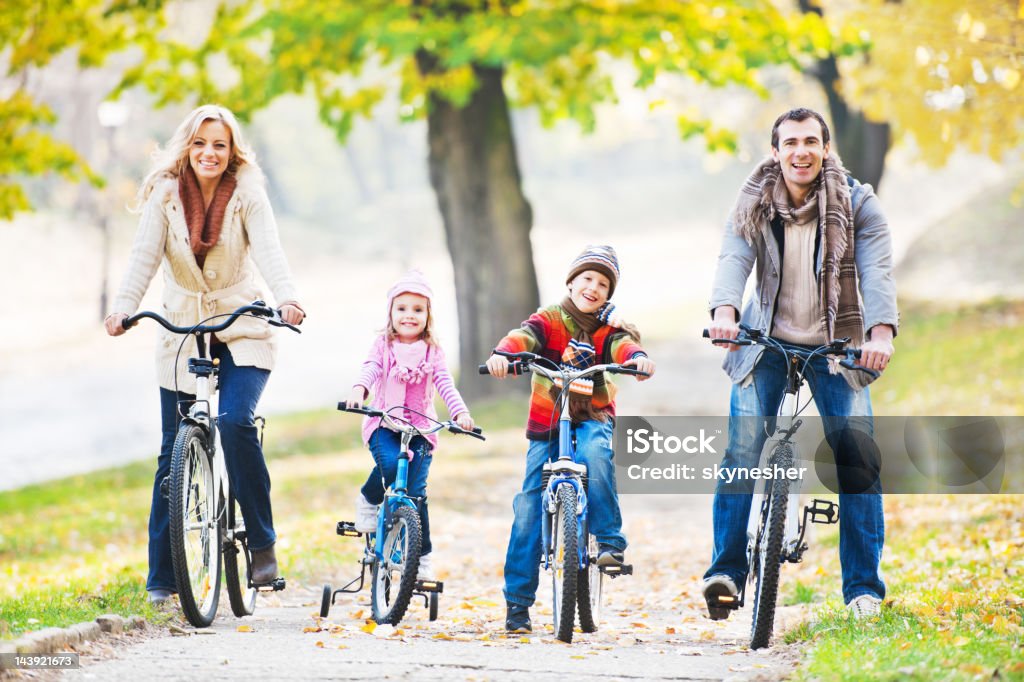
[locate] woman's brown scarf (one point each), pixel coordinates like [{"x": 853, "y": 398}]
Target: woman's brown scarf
[
  {"x": 764, "y": 195},
  {"x": 204, "y": 225},
  {"x": 581, "y": 406}
]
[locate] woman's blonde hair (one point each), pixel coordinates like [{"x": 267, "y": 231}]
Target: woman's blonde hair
[{"x": 172, "y": 160}]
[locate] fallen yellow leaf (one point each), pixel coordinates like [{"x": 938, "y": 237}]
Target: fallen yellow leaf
[
  {"x": 369, "y": 627},
  {"x": 244, "y": 628},
  {"x": 320, "y": 645}
]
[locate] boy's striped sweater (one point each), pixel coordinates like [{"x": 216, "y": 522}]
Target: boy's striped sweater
[{"x": 547, "y": 332}]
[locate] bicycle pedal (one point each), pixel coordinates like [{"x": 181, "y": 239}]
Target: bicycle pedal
[
  {"x": 348, "y": 530},
  {"x": 616, "y": 570},
  {"x": 429, "y": 586},
  {"x": 276, "y": 585},
  {"x": 823, "y": 511}
]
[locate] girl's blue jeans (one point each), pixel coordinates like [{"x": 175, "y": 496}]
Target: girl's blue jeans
[
  {"x": 240, "y": 390},
  {"x": 861, "y": 521},
  {"x": 385, "y": 446},
  {"x": 593, "y": 448}
]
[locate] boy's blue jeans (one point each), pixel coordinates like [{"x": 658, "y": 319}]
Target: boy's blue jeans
[
  {"x": 861, "y": 521},
  {"x": 240, "y": 390},
  {"x": 593, "y": 448},
  {"x": 385, "y": 445}
]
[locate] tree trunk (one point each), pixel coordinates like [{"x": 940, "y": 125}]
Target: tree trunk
[
  {"x": 487, "y": 219},
  {"x": 862, "y": 144}
]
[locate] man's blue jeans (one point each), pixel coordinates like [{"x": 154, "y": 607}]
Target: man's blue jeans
[
  {"x": 240, "y": 390},
  {"x": 593, "y": 448},
  {"x": 861, "y": 522},
  {"x": 385, "y": 445}
]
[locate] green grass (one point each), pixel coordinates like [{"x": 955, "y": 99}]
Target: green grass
[
  {"x": 954, "y": 565},
  {"x": 959, "y": 361},
  {"x": 75, "y": 548}
]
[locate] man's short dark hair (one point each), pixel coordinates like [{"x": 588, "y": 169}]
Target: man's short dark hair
[{"x": 799, "y": 114}]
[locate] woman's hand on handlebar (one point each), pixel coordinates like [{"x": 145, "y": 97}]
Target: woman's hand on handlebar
[
  {"x": 356, "y": 396},
  {"x": 643, "y": 364},
  {"x": 113, "y": 323},
  {"x": 497, "y": 365},
  {"x": 292, "y": 314},
  {"x": 725, "y": 326},
  {"x": 465, "y": 421}
]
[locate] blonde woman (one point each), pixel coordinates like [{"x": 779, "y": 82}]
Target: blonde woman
[{"x": 206, "y": 218}]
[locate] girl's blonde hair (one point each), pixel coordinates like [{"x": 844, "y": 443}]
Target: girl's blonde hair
[
  {"x": 428, "y": 329},
  {"x": 172, "y": 160}
]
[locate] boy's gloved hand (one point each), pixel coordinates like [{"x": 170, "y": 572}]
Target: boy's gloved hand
[
  {"x": 497, "y": 365},
  {"x": 356, "y": 396},
  {"x": 465, "y": 421},
  {"x": 642, "y": 363}
]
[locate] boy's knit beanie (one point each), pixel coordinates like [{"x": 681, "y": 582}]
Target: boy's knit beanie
[
  {"x": 601, "y": 258},
  {"x": 412, "y": 282}
]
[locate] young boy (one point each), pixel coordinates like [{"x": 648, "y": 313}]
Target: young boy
[{"x": 576, "y": 333}]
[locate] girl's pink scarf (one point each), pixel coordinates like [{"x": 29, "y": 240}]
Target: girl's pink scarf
[{"x": 406, "y": 382}]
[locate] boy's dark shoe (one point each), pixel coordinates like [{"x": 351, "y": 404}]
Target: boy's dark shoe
[
  {"x": 609, "y": 556},
  {"x": 517, "y": 618}
]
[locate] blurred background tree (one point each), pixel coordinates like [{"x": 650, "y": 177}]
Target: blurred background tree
[{"x": 462, "y": 65}]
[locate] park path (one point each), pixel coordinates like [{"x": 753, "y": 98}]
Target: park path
[{"x": 654, "y": 622}]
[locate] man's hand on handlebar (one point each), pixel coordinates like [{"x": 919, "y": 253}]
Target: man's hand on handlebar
[
  {"x": 876, "y": 353},
  {"x": 497, "y": 365},
  {"x": 643, "y": 364},
  {"x": 113, "y": 323},
  {"x": 292, "y": 314}
]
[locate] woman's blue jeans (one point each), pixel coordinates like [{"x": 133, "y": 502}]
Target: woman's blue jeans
[
  {"x": 385, "y": 445},
  {"x": 240, "y": 390},
  {"x": 593, "y": 448},
  {"x": 861, "y": 520}
]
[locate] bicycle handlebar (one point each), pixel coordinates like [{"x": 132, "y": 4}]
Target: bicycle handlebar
[
  {"x": 524, "y": 362},
  {"x": 750, "y": 336},
  {"x": 403, "y": 425},
  {"x": 255, "y": 309}
]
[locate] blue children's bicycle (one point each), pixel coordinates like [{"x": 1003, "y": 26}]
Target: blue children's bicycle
[
  {"x": 394, "y": 560},
  {"x": 567, "y": 547}
]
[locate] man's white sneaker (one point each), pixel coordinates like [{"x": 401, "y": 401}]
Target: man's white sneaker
[
  {"x": 426, "y": 570},
  {"x": 718, "y": 590},
  {"x": 865, "y": 606},
  {"x": 366, "y": 515}
]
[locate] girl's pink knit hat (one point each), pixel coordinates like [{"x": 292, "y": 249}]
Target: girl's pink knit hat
[{"x": 412, "y": 282}]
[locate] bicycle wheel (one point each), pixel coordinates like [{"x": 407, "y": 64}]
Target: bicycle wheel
[
  {"x": 194, "y": 527},
  {"x": 565, "y": 568},
  {"x": 588, "y": 589},
  {"x": 325, "y": 601},
  {"x": 394, "y": 576},
  {"x": 768, "y": 554},
  {"x": 238, "y": 565}
]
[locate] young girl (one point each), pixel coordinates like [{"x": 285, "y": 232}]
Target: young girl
[
  {"x": 404, "y": 367},
  {"x": 575, "y": 332}
]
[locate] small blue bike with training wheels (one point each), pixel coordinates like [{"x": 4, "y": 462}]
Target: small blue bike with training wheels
[
  {"x": 567, "y": 547},
  {"x": 392, "y": 552}
]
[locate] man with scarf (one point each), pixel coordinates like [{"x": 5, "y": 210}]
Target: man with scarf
[
  {"x": 818, "y": 238},
  {"x": 577, "y": 333}
]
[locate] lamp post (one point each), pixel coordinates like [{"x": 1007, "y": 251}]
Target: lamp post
[{"x": 112, "y": 115}]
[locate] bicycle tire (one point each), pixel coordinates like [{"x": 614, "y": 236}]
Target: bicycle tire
[
  {"x": 433, "y": 606},
  {"x": 589, "y": 585},
  {"x": 565, "y": 564},
  {"x": 241, "y": 593},
  {"x": 194, "y": 526},
  {"x": 769, "y": 554},
  {"x": 402, "y": 548},
  {"x": 325, "y": 601}
]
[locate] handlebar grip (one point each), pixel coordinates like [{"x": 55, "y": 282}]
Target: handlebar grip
[
  {"x": 706, "y": 334},
  {"x": 483, "y": 369},
  {"x": 629, "y": 371},
  {"x": 850, "y": 364},
  {"x": 345, "y": 407},
  {"x": 515, "y": 368},
  {"x": 477, "y": 430},
  {"x": 127, "y": 323}
]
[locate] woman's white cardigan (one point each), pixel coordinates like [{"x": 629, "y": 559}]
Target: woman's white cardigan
[{"x": 225, "y": 282}]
